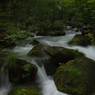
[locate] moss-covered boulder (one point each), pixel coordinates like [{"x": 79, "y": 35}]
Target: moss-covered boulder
[
  {"x": 59, "y": 55},
  {"x": 20, "y": 71},
  {"x": 80, "y": 39},
  {"x": 39, "y": 50},
  {"x": 28, "y": 89},
  {"x": 76, "y": 77},
  {"x": 34, "y": 42},
  {"x": 55, "y": 55}
]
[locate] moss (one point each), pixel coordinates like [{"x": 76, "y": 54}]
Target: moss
[
  {"x": 20, "y": 71},
  {"x": 64, "y": 55},
  {"x": 76, "y": 77},
  {"x": 53, "y": 50},
  {"x": 55, "y": 56},
  {"x": 80, "y": 40},
  {"x": 22, "y": 90},
  {"x": 34, "y": 42},
  {"x": 41, "y": 50},
  {"x": 36, "y": 51}
]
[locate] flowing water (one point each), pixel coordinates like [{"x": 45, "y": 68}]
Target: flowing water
[
  {"x": 46, "y": 82},
  {"x": 5, "y": 84}
]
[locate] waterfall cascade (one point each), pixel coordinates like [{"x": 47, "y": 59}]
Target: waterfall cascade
[{"x": 5, "y": 84}]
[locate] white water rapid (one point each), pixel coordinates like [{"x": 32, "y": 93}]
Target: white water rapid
[
  {"x": 46, "y": 82},
  {"x": 5, "y": 84}
]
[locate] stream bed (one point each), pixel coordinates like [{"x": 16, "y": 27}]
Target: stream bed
[{"x": 46, "y": 82}]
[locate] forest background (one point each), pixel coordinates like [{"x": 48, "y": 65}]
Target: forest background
[{"x": 20, "y": 18}]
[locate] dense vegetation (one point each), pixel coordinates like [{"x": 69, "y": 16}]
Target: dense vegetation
[
  {"x": 20, "y": 18},
  {"x": 49, "y": 17}
]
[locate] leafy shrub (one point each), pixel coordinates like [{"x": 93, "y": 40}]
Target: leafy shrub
[
  {"x": 43, "y": 24},
  {"x": 33, "y": 28},
  {"x": 53, "y": 29},
  {"x": 58, "y": 25},
  {"x": 91, "y": 37},
  {"x": 14, "y": 36},
  {"x": 28, "y": 21},
  {"x": 26, "y": 68}
]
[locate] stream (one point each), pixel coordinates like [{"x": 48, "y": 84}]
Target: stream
[{"x": 45, "y": 82}]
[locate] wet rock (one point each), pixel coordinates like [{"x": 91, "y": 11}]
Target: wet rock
[
  {"x": 20, "y": 71},
  {"x": 34, "y": 42},
  {"x": 80, "y": 40},
  {"x": 76, "y": 77},
  {"x": 60, "y": 55},
  {"x": 55, "y": 54},
  {"x": 26, "y": 89},
  {"x": 39, "y": 50}
]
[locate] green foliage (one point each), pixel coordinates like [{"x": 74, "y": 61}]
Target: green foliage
[
  {"x": 91, "y": 37},
  {"x": 15, "y": 35},
  {"x": 57, "y": 28},
  {"x": 43, "y": 16},
  {"x": 43, "y": 24},
  {"x": 28, "y": 21},
  {"x": 32, "y": 12},
  {"x": 61, "y": 63},
  {"x": 53, "y": 29},
  {"x": 33, "y": 28},
  {"x": 5, "y": 49},
  {"x": 26, "y": 68}
]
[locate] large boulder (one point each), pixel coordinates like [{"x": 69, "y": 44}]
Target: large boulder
[
  {"x": 76, "y": 77},
  {"x": 60, "y": 55},
  {"x": 39, "y": 50},
  {"x": 26, "y": 89},
  {"x": 81, "y": 40},
  {"x": 55, "y": 54},
  {"x": 20, "y": 71}
]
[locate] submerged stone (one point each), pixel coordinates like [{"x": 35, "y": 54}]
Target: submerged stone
[{"x": 76, "y": 77}]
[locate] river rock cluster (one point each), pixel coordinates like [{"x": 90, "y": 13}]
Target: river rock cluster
[{"x": 73, "y": 72}]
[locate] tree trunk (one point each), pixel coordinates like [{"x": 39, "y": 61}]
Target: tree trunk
[
  {"x": 35, "y": 11},
  {"x": 10, "y": 10}
]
